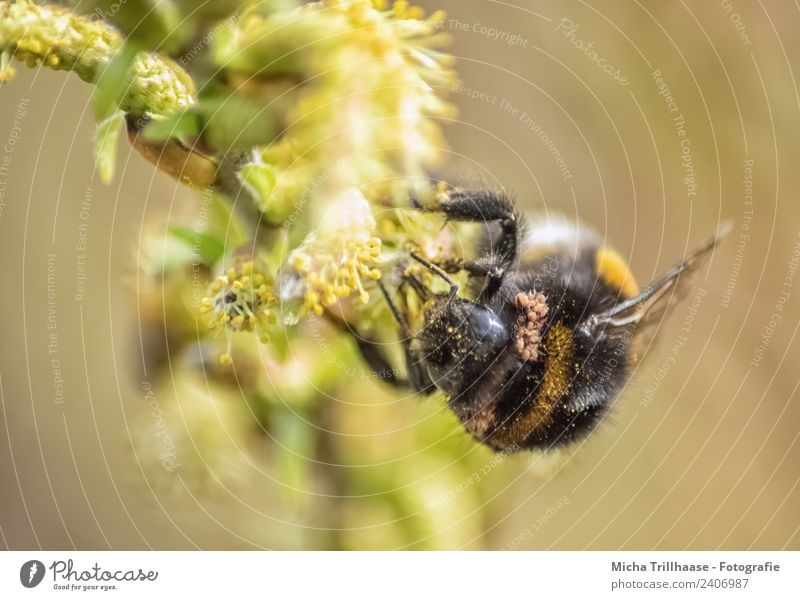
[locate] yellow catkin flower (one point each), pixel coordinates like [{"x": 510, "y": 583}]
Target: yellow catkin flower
[
  {"x": 57, "y": 38},
  {"x": 337, "y": 259},
  {"x": 374, "y": 79},
  {"x": 241, "y": 300}
]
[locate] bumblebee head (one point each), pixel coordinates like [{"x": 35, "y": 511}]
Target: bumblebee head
[{"x": 459, "y": 340}]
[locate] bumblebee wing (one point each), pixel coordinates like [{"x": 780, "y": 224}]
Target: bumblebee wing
[{"x": 638, "y": 318}]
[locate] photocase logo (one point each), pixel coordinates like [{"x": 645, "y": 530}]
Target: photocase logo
[{"x": 31, "y": 573}]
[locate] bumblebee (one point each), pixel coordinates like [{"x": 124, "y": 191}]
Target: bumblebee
[{"x": 533, "y": 351}]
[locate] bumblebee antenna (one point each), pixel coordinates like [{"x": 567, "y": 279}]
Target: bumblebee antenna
[{"x": 439, "y": 271}]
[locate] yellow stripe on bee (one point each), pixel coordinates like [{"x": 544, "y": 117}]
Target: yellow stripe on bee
[
  {"x": 614, "y": 271},
  {"x": 559, "y": 348}
]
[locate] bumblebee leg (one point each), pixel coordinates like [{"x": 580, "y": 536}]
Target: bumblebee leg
[
  {"x": 487, "y": 207},
  {"x": 482, "y": 267},
  {"x": 418, "y": 378},
  {"x": 489, "y": 267},
  {"x": 378, "y": 363},
  {"x": 374, "y": 358}
]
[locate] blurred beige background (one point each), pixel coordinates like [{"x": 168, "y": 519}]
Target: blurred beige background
[{"x": 700, "y": 453}]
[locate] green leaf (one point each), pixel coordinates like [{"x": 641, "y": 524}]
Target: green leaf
[
  {"x": 225, "y": 123},
  {"x": 114, "y": 81},
  {"x": 226, "y": 221},
  {"x": 235, "y": 122},
  {"x": 260, "y": 177},
  {"x": 205, "y": 245},
  {"x": 181, "y": 125},
  {"x": 151, "y": 24},
  {"x": 105, "y": 145}
]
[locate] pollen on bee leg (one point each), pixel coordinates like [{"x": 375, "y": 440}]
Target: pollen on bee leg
[{"x": 530, "y": 322}]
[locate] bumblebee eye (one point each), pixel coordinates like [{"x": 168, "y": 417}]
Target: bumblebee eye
[
  {"x": 460, "y": 341},
  {"x": 487, "y": 327}
]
